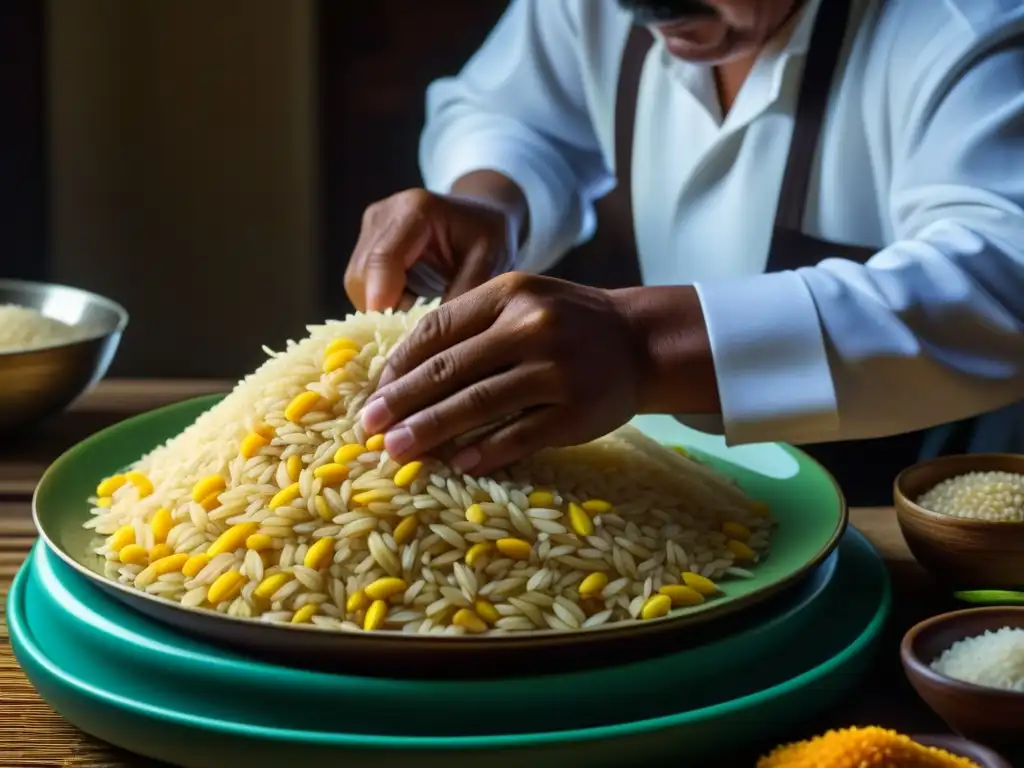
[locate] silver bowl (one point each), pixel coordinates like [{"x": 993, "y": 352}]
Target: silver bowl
[{"x": 41, "y": 382}]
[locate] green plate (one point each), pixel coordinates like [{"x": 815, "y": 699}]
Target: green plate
[
  {"x": 807, "y": 505},
  {"x": 262, "y": 726}
]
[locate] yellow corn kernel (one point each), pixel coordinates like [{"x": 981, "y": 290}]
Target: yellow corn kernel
[
  {"x": 680, "y": 594},
  {"x": 169, "y": 564},
  {"x": 742, "y": 552},
  {"x": 304, "y": 614},
  {"x": 517, "y": 549},
  {"x": 348, "y": 453},
  {"x": 161, "y": 525},
  {"x": 111, "y": 485},
  {"x": 580, "y": 520},
  {"x": 206, "y": 486},
  {"x": 301, "y": 405},
  {"x": 105, "y": 502},
  {"x": 233, "y": 538},
  {"x": 320, "y": 554},
  {"x": 478, "y": 550},
  {"x": 259, "y": 542},
  {"x": 656, "y": 607},
  {"x": 252, "y": 443},
  {"x": 597, "y": 506},
  {"x": 405, "y": 476},
  {"x": 376, "y": 615},
  {"x": 385, "y": 588},
  {"x": 226, "y": 587},
  {"x": 736, "y": 531},
  {"x": 542, "y": 499},
  {"x": 761, "y": 509},
  {"x": 486, "y": 611},
  {"x": 406, "y": 529},
  {"x": 357, "y": 601},
  {"x": 331, "y": 474},
  {"x": 375, "y": 494},
  {"x": 293, "y": 466},
  {"x": 339, "y": 344},
  {"x": 142, "y": 484},
  {"x": 271, "y": 584},
  {"x": 285, "y": 496},
  {"x": 469, "y": 621},
  {"x": 339, "y": 359},
  {"x": 700, "y": 584},
  {"x": 134, "y": 554},
  {"x": 375, "y": 443},
  {"x": 122, "y": 537},
  {"x": 476, "y": 515},
  {"x": 195, "y": 564},
  {"x": 323, "y": 508},
  {"x": 159, "y": 551},
  {"x": 211, "y": 502},
  {"x": 593, "y": 585}
]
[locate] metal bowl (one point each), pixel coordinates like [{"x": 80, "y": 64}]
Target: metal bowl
[{"x": 41, "y": 382}]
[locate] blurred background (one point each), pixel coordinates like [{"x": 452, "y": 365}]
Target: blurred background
[{"x": 206, "y": 162}]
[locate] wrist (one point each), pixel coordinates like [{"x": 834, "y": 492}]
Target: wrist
[
  {"x": 675, "y": 367},
  {"x": 498, "y": 192}
]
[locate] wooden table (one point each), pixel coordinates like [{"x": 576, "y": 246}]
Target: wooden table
[{"x": 31, "y": 734}]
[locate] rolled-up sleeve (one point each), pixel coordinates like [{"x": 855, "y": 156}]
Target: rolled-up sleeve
[
  {"x": 518, "y": 107},
  {"x": 931, "y": 329}
]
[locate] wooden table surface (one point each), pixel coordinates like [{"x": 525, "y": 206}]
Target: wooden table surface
[{"x": 31, "y": 734}]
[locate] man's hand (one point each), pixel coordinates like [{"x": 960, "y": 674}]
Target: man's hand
[
  {"x": 467, "y": 237},
  {"x": 557, "y": 363}
]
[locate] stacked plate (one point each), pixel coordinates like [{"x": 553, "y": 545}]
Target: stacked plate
[{"x": 199, "y": 689}]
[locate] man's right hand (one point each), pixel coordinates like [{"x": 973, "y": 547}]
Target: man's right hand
[{"x": 465, "y": 241}]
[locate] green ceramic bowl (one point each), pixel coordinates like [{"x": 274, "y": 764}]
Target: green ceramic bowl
[
  {"x": 806, "y": 503},
  {"x": 162, "y": 721}
]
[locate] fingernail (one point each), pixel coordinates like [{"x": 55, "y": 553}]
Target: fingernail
[
  {"x": 466, "y": 459},
  {"x": 398, "y": 441},
  {"x": 376, "y": 416}
]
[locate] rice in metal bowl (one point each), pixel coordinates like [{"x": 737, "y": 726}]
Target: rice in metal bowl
[{"x": 275, "y": 505}]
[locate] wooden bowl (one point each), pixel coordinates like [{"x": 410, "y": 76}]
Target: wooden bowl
[
  {"x": 963, "y": 553},
  {"x": 987, "y": 715}
]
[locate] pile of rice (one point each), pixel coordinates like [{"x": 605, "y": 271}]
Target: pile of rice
[
  {"x": 992, "y": 496},
  {"x": 993, "y": 660},
  {"x": 23, "y": 329},
  {"x": 275, "y": 505}
]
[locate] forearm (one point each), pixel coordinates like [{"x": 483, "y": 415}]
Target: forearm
[
  {"x": 673, "y": 351},
  {"x": 498, "y": 190}
]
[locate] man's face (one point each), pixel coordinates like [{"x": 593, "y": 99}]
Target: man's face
[{"x": 712, "y": 31}]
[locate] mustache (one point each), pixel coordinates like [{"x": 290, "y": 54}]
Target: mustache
[{"x": 661, "y": 11}]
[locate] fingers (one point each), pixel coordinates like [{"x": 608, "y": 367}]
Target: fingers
[
  {"x": 480, "y": 406},
  {"x": 448, "y": 325},
  {"x": 476, "y": 268},
  {"x": 523, "y": 437},
  {"x": 388, "y": 259}
]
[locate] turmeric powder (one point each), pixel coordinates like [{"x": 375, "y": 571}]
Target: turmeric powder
[{"x": 870, "y": 747}]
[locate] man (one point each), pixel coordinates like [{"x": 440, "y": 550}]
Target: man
[{"x": 826, "y": 198}]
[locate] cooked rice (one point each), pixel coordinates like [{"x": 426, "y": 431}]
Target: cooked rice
[
  {"x": 23, "y": 329},
  {"x": 994, "y": 659},
  {"x": 663, "y": 516},
  {"x": 991, "y": 496}
]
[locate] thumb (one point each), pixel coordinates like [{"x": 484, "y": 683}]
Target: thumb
[{"x": 389, "y": 258}]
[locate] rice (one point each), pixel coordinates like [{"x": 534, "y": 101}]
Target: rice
[
  {"x": 992, "y": 660},
  {"x": 992, "y": 496},
  {"x": 274, "y": 505},
  {"x": 23, "y": 329}
]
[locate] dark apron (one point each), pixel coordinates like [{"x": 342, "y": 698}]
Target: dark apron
[{"x": 864, "y": 468}]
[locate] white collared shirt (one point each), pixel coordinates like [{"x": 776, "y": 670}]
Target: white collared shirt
[{"x": 921, "y": 157}]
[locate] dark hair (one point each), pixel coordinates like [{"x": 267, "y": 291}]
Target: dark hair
[{"x": 659, "y": 11}]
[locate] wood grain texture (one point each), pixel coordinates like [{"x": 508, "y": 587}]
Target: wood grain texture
[{"x": 31, "y": 734}]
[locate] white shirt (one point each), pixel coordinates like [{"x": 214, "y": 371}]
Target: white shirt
[{"x": 922, "y": 157}]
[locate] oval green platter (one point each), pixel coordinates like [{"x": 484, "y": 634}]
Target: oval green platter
[
  {"x": 794, "y": 684},
  {"x": 807, "y": 506}
]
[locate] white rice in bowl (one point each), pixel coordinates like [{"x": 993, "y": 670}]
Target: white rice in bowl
[
  {"x": 274, "y": 505},
  {"x": 991, "y": 496},
  {"x": 23, "y": 329},
  {"x": 994, "y": 659}
]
